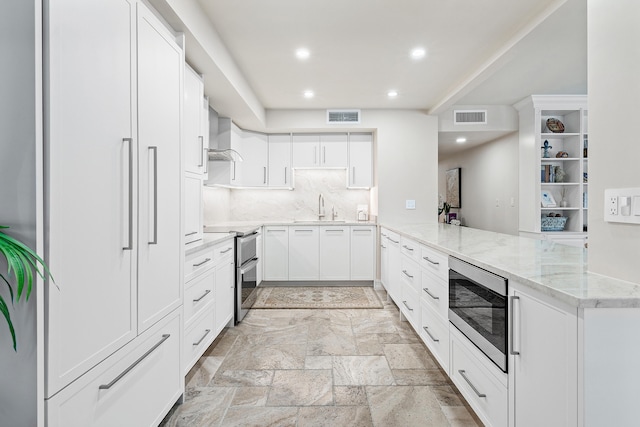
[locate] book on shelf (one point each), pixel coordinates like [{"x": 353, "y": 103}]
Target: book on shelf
[{"x": 547, "y": 173}]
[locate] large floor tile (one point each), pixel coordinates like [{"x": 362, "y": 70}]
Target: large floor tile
[
  {"x": 405, "y": 406},
  {"x": 335, "y": 416},
  {"x": 242, "y": 378},
  {"x": 361, "y": 370},
  {"x": 301, "y": 388},
  {"x": 261, "y": 357},
  {"x": 205, "y": 409},
  {"x": 260, "y": 416},
  {"x": 408, "y": 356}
]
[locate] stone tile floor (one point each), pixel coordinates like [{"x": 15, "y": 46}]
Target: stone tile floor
[{"x": 320, "y": 367}]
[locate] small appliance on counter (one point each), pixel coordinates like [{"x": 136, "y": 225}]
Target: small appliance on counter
[{"x": 362, "y": 213}]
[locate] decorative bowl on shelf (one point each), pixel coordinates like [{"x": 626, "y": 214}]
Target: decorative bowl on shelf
[
  {"x": 555, "y": 125},
  {"x": 556, "y": 223}
]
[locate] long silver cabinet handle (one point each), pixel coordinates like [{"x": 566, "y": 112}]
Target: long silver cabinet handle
[
  {"x": 430, "y": 294},
  {"x": 265, "y": 174},
  {"x": 432, "y": 262},
  {"x": 383, "y": 246},
  {"x": 429, "y": 333},
  {"x": 201, "y": 138},
  {"x": 207, "y": 292},
  {"x": 133, "y": 365},
  {"x": 353, "y": 180},
  {"x": 285, "y": 174},
  {"x": 407, "y": 274},
  {"x": 225, "y": 251},
  {"x": 407, "y": 305},
  {"x": 512, "y": 324},
  {"x": 203, "y": 337},
  {"x": 324, "y": 155},
  {"x": 407, "y": 248},
  {"x": 190, "y": 234},
  {"x": 154, "y": 150},
  {"x": 462, "y": 372},
  {"x": 206, "y": 159},
  {"x": 315, "y": 155},
  {"x": 129, "y": 245},
  {"x": 393, "y": 240},
  {"x": 206, "y": 260}
]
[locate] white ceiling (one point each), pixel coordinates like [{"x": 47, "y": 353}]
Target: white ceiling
[{"x": 479, "y": 52}]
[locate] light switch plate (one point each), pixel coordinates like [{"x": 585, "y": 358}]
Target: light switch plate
[
  {"x": 410, "y": 204},
  {"x": 622, "y": 205}
]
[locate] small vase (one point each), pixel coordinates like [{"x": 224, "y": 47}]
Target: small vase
[{"x": 564, "y": 203}]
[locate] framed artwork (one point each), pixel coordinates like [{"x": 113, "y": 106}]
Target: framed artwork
[
  {"x": 453, "y": 187},
  {"x": 547, "y": 200}
]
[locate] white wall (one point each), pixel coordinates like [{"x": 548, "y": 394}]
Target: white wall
[
  {"x": 489, "y": 180},
  {"x": 18, "y": 401},
  {"x": 406, "y": 144},
  {"x": 614, "y": 152}
]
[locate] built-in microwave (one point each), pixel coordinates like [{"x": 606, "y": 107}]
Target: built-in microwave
[{"x": 478, "y": 308}]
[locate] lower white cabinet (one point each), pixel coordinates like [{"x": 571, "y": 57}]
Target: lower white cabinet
[
  {"x": 198, "y": 336},
  {"x": 394, "y": 261},
  {"x": 362, "y": 252},
  {"x": 434, "y": 331},
  {"x": 276, "y": 253},
  {"x": 224, "y": 292},
  {"x": 334, "y": 253},
  {"x": 304, "y": 252},
  {"x": 135, "y": 386}
]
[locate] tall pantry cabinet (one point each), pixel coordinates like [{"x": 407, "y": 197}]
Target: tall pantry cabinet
[{"x": 113, "y": 185}]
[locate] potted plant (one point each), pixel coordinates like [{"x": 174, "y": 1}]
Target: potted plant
[{"x": 22, "y": 261}]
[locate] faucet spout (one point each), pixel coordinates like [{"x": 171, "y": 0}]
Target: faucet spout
[{"x": 320, "y": 206}]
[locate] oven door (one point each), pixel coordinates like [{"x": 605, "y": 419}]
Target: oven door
[
  {"x": 246, "y": 281},
  {"x": 478, "y": 308},
  {"x": 246, "y": 247}
]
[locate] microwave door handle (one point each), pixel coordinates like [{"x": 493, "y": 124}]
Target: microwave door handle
[
  {"x": 249, "y": 265},
  {"x": 248, "y": 237},
  {"x": 515, "y": 301}
]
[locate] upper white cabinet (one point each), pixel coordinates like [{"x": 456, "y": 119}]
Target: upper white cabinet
[
  {"x": 114, "y": 181},
  {"x": 254, "y": 149},
  {"x": 193, "y": 205},
  {"x": 360, "y": 160},
  {"x": 227, "y": 173},
  {"x": 320, "y": 151},
  {"x": 196, "y": 123},
  {"x": 279, "y": 164},
  {"x": 362, "y": 252}
]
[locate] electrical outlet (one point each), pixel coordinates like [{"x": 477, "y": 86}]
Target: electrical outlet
[{"x": 613, "y": 205}]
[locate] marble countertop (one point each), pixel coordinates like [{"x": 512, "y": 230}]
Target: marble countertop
[
  {"x": 254, "y": 224},
  {"x": 208, "y": 239},
  {"x": 557, "y": 270}
]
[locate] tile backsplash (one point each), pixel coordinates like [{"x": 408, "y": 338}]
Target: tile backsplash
[{"x": 301, "y": 203}]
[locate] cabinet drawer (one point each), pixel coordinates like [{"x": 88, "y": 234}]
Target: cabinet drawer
[
  {"x": 223, "y": 251},
  {"x": 198, "y": 262},
  {"x": 410, "y": 274},
  {"x": 411, "y": 249},
  {"x": 393, "y": 238},
  {"x": 146, "y": 370},
  {"x": 198, "y": 295},
  {"x": 435, "y": 262},
  {"x": 435, "y": 292},
  {"x": 435, "y": 333},
  {"x": 487, "y": 395},
  {"x": 199, "y": 336},
  {"x": 410, "y": 306}
]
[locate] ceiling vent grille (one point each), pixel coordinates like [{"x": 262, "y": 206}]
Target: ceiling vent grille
[
  {"x": 343, "y": 116},
  {"x": 470, "y": 117}
]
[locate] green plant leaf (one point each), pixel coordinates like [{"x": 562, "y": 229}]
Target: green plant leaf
[
  {"x": 5, "y": 311},
  {"x": 8, "y": 286}
]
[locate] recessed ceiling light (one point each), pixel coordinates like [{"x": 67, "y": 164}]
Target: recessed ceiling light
[
  {"x": 303, "y": 53},
  {"x": 392, "y": 93},
  {"x": 308, "y": 94},
  {"x": 461, "y": 140},
  {"x": 418, "y": 53}
]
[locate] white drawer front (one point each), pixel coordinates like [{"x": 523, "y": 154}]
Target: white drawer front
[
  {"x": 410, "y": 306},
  {"x": 485, "y": 393},
  {"x": 435, "y": 262},
  {"x": 435, "y": 334},
  {"x": 198, "y": 262},
  {"x": 223, "y": 250},
  {"x": 411, "y": 274},
  {"x": 435, "y": 292},
  {"x": 410, "y": 248},
  {"x": 199, "y": 293},
  {"x": 136, "y": 386},
  {"x": 199, "y": 336}
]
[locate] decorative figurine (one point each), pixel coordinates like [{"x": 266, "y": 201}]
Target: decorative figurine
[{"x": 546, "y": 147}]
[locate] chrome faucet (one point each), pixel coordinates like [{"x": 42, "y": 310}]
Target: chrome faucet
[
  {"x": 320, "y": 207},
  {"x": 334, "y": 213}
]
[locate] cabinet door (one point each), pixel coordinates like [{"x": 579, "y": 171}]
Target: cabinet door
[
  {"x": 194, "y": 139},
  {"x": 279, "y": 167},
  {"x": 225, "y": 293},
  {"x": 360, "y": 160},
  {"x": 92, "y": 311},
  {"x": 395, "y": 266},
  {"x": 304, "y": 248},
  {"x": 334, "y": 253},
  {"x": 276, "y": 253},
  {"x": 160, "y": 65},
  {"x": 363, "y": 256},
  {"x": 544, "y": 371},
  {"x": 254, "y": 166},
  {"x": 333, "y": 150},
  {"x": 193, "y": 209},
  {"x": 384, "y": 260},
  {"x": 305, "y": 151}
]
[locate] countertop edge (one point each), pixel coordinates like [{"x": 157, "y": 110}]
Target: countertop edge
[{"x": 208, "y": 240}]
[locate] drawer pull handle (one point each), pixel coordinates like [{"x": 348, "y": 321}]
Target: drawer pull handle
[
  {"x": 393, "y": 240},
  {"x": 407, "y": 305},
  {"x": 512, "y": 325},
  {"x": 432, "y": 262},
  {"x": 134, "y": 364},
  {"x": 429, "y": 333},
  {"x": 430, "y": 294},
  {"x": 191, "y": 234},
  {"x": 206, "y": 260},
  {"x": 407, "y": 248},
  {"x": 383, "y": 246},
  {"x": 225, "y": 251},
  {"x": 407, "y": 274},
  {"x": 462, "y": 373},
  {"x": 207, "y": 292},
  {"x": 203, "y": 337}
]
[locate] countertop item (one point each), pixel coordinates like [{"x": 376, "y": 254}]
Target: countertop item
[
  {"x": 557, "y": 270},
  {"x": 208, "y": 239}
]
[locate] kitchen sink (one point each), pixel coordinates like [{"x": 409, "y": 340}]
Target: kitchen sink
[{"x": 311, "y": 221}]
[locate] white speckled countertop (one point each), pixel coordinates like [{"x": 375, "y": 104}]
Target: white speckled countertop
[
  {"x": 557, "y": 270},
  {"x": 208, "y": 239}
]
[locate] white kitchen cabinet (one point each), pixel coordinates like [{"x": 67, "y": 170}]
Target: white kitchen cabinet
[
  {"x": 304, "y": 252},
  {"x": 362, "y": 252},
  {"x": 319, "y": 151},
  {"x": 360, "y": 160},
  {"x": 254, "y": 148},
  {"x": 279, "y": 167},
  {"x": 395, "y": 266},
  {"x": 276, "y": 253},
  {"x": 542, "y": 367},
  {"x": 193, "y": 222},
  {"x": 334, "y": 253},
  {"x": 118, "y": 165},
  {"x": 434, "y": 331},
  {"x": 225, "y": 288},
  {"x": 260, "y": 266},
  {"x": 384, "y": 258},
  {"x": 196, "y": 141},
  {"x": 410, "y": 306},
  {"x": 223, "y": 172}
]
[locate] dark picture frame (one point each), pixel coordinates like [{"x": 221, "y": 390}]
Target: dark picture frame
[{"x": 452, "y": 178}]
